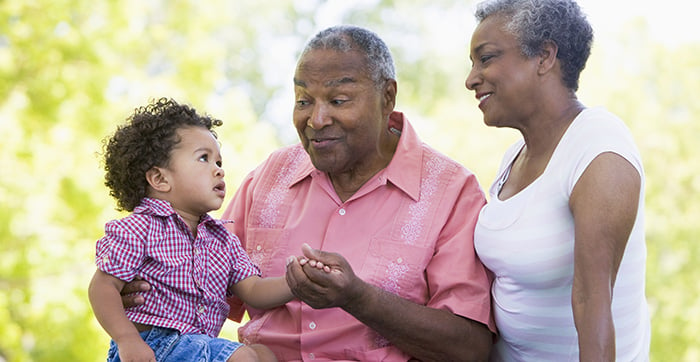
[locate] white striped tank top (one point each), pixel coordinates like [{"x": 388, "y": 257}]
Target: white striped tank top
[{"x": 527, "y": 241}]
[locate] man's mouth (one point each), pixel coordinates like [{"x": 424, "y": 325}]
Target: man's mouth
[{"x": 320, "y": 142}]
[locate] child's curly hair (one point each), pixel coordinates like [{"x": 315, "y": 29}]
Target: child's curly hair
[{"x": 143, "y": 142}]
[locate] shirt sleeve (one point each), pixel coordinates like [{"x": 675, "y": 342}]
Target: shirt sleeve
[
  {"x": 121, "y": 250},
  {"x": 243, "y": 267},
  {"x": 601, "y": 132},
  {"x": 457, "y": 279}
]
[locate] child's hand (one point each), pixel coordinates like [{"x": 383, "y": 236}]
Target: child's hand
[
  {"x": 314, "y": 264},
  {"x": 135, "y": 350}
]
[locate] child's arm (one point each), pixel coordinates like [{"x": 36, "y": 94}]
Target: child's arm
[
  {"x": 263, "y": 293},
  {"x": 107, "y": 306}
]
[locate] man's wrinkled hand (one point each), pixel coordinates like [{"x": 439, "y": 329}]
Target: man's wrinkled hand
[
  {"x": 322, "y": 279},
  {"x": 128, "y": 293}
]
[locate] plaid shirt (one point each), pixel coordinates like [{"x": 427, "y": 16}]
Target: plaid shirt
[{"x": 189, "y": 278}]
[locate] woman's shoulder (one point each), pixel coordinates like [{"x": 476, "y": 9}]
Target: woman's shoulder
[{"x": 600, "y": 121}]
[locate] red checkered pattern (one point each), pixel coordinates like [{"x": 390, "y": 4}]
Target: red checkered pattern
[{"x": 189, "y": 276}]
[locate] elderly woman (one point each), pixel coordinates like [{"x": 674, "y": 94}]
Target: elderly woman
[{"x": 563, "y": 232}]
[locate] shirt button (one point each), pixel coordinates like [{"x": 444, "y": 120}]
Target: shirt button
[
  {"x": 341, "y": 212},
  {"x": 311, "y": 356},
  {"x": 312, "y": 325},
  {"x": 201, "y": 309},
  {"x": 399, "y": 260},
  {"x": 258, "y": 248}
]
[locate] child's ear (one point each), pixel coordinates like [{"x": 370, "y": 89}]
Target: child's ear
[{"x": 157, "y": 179}]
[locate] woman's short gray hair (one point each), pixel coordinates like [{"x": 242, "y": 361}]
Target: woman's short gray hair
[
  {"x": 346, "y": 38},
  {"x": 534, "y": 22}
]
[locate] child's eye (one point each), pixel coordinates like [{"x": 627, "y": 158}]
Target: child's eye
[{"x": 204, "y": 158}]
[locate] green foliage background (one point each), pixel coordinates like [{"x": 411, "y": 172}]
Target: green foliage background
[{"x": 71, "y": 70}]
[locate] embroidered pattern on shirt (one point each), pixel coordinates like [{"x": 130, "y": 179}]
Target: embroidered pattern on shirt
[
  {"x": 380, "y": 342},
  {"x": 280, "y": 187},
  {"x": 413, "y": 228},
  {"x": 394, "y": 273},
  {"x": 257, "y": 257},
  {"x": 249, "y": 330}
]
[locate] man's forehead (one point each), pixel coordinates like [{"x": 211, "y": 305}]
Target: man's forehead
[
  {"x": 328, "y": 83},
  {"x": 332, "y": 59},
  {"x": 332, "y": 69}
]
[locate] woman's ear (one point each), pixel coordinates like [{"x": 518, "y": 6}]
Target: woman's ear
[
  {"x": 158, "y": 179},
  {"x": 548, "y": 56}
]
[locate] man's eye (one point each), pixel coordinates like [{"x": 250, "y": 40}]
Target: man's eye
[
  {"x": 485, "y": 58},
  {"x": 302, "y": 103},
  {"x": 338, "y": 102}
]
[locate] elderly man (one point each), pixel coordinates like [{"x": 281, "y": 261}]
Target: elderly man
[{"x": 392, "y": 218}]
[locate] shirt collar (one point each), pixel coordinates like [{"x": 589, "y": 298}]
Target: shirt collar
[
  {"x": 155, "y": 207},
  {"x": 404, "y": 170},
  {"x": 162, "y": 208},
  {"x": 305, "y": 167}
]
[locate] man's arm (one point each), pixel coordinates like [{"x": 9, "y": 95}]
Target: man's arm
[{"x": 425, "y": 333}]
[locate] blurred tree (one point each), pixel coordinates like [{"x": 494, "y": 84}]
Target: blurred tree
[
  {"x": 70, "y": 71},
  {"x": 652, "y": 87},
  {"x": 48, "y": 198},
  {"x": 668, "y": 131}
]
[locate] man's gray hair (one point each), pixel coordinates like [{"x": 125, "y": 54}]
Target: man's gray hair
[{"x": 347, "y": 38}]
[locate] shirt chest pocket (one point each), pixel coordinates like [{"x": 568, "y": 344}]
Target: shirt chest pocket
[
  {"x": 268, "y": 249},
  {"x": 397, "y": 268}
]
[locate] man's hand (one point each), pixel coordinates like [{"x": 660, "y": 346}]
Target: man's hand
[
  {"x": 325, "y": 280},
  {"x": 129, "y": 298},
  {"x": 322, "y": 279}
]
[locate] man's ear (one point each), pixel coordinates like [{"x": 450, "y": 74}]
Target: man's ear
[
  {"x": 157, "y": 179},
  {"x": 548, "y": 56},
  {"x": 389, "y": 94}
]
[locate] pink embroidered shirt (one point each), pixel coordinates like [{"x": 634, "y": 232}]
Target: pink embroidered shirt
[
  {"x": 189, "y": 276},
  {"x": 408, "y": 230}
]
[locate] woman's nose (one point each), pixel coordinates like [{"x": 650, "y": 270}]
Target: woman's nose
[{"x": 473, "y": 79}]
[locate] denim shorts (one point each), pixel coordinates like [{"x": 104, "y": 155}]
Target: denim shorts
[{"x": 169, "y": 345}]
